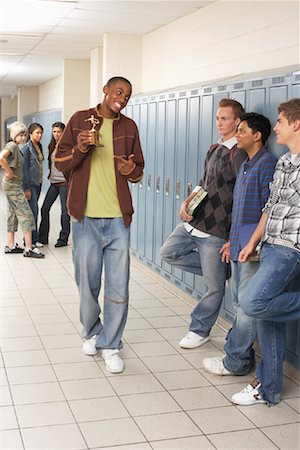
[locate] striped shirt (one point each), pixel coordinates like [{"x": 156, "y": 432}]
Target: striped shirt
[
  {"x": 283, "y": 206},
  {"x": 250, "y": 194}
]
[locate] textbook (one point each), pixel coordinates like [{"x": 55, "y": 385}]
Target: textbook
[{"x": 197, "y": 202}]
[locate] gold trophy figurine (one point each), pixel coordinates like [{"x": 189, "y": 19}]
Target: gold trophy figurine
[{"x": 95, "y": 136}]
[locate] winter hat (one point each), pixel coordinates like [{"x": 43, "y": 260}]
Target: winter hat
[{"x": 17, "y": 128}]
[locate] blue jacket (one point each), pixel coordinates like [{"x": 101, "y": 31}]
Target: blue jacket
[{"x": 31, "y": 167}]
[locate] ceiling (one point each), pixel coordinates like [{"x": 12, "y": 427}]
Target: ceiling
[{"x": 37, "y": 35}]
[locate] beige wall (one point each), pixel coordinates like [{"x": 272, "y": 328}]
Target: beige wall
[
  {"x": 123, "y": 55},
  {"x": 76, "y": 87},
  {"x": 8, "y": 109},
  {"x": 27, "y": 101},
  {"x": 225, "y": 39},
  {"x": 50, "y": 95}
]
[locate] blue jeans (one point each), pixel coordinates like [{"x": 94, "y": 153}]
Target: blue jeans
[
  {"x": 34, "y": 205},
  {"x": 98, "y": 243},
  {"x": 52, "y": 194},
  {"x": 240, "y": 356},
  {"x": 200, "y": 256},
  {"x": 269, "y": 300}
]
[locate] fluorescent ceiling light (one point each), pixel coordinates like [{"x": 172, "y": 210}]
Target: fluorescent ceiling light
[
  {"x": 11, "y": 54},
  {"x": 23, "y": 34}
]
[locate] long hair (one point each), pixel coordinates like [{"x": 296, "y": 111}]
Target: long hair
[
  {"x": 33, "y": 126},
  {"x": 53, "y": 142}
]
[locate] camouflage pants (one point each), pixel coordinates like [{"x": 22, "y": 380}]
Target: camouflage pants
[{"x": 19, "y": 211}]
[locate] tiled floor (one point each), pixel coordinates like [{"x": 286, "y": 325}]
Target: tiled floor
[{"x": 55, "y": 397}]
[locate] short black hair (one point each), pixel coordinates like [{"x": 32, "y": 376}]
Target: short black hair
[
  {"x": 258, "y": 122},
  {"x": 114, "y": 79}
]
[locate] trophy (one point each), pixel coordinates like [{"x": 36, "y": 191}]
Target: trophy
[{"x": 95, "y": 134}]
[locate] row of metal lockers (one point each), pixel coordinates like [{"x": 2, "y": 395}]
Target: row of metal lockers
[{"x": 176, "y": 130}]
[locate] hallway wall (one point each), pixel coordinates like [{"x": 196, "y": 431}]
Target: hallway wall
[{"x": 223, "y": 40}]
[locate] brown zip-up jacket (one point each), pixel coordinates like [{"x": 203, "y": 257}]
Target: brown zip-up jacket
[{"x": 76, "y": 165}]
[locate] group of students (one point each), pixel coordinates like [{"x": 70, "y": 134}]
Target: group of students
[
  {"x": 22, "y": 163},
  {"x": 252, "y": 219},
  {"x": 249, "y": 222}
]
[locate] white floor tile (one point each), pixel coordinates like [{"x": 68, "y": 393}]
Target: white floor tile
[
  {"x": 8, "y": 419},
  {"x": 90, "y": 388},
  {"x": 151, "y": 403},
  {"x": 238, "y": 440},
  {"x": 11, "y": 440},
  {"x": 98, "y": 409},
  {"x": 103, "y": 433},
  {"x": 31, "y": 374},
  {"x": 167, "y": 426},
  {"x": 58, "y": 437},
  {"x": 135, "y": 384},
  {"x": 41, "y": 414},
  {"x": 78, "y": 371},
  {"x": 23, "y": 394}
]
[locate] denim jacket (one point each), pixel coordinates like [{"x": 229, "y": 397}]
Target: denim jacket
[{"x": 31, "y": 166}]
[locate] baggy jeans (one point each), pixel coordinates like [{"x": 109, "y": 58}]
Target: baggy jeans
[{"x": 99, "y": 243}]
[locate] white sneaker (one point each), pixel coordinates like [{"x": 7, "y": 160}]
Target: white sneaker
[
  {"x": 113, "y": 362},
  {"x": 192, "y": 340},
  {"x": 250, "y": 395},
  {"x": 215, "y": 366},
  {"x": 89, "y": 346},
  {"x": 39, "y": 245}
]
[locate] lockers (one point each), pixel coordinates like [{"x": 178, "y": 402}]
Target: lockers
[{"x": 176, "y": 131}]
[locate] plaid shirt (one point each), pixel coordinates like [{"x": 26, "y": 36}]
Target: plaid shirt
[{"x": 283, "y": 206}]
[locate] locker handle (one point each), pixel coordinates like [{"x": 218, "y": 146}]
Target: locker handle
[
  {"x": 178, "y": 189},
  {"x": 141, "y": 184},
  {"x": 167, "y": 193},
  {"x": 158, "y": 184},
  {"x": 149, "y": 182}
]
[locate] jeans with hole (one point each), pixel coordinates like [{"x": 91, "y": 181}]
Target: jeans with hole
[
  {"x": 269, "y": 299},
  {"x": 239, "y": 358},
  {"x": 98, "y": 244},
  {"x": 200, "y": 256},
  {"x": 52, "y": 194}
]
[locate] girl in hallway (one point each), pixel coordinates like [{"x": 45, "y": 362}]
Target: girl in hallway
[
  {"x": 33, "y": 171},
  {"x": 58, "y": 187}
]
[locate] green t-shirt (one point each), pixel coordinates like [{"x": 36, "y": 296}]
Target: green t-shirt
[
  {"x": 102, "y": 198},
  {"x": 15, "y": 162}
]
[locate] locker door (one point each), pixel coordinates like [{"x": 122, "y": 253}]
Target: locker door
[
  {"x": 141, "y": 184},
  {"x": 180, "y": 161},
  {"x": 159, "y": 213},
  {"x": 134, "y": 113},
  {"x": 149, "y": 180},
  {"x": 207, "y": 120},
  {"x": 192, "y": 160},
  {"x": 257, "y": 100},
  {"x": 169, "y": 169},
  {"x": 277, "y": 95},
  {"x": 239, "y": 96},
  {"x": 295, "y": 91}
]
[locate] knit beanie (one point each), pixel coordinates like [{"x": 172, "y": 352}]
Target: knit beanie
[{"x": 17, "y": 128}]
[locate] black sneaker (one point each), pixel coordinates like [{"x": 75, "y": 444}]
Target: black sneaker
[
  {"x": 60, "y": 244},
  {"x": 33, "y": 253},
  {"x": 14, "y": 249}
]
